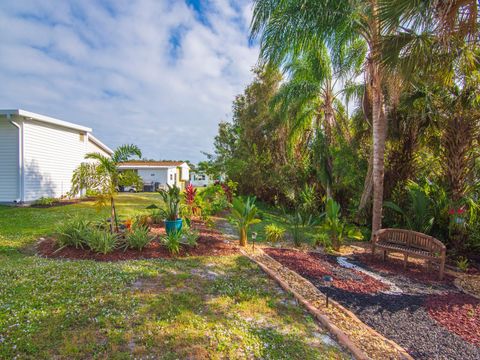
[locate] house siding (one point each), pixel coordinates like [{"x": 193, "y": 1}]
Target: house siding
[
  {"x": 9, "y": 153},
  {"x": 159, "y": 175},
  {"x": 51, "y": 154}
]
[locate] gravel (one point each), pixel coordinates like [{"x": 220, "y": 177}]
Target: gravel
[
  {"x": 404, "y": 319},
  {"x": 401, "y": 317}
]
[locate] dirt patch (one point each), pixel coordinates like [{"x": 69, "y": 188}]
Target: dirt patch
[
  {"x": 315, "y": 266},
  {"x": 210, "y": 243},
  {"x": 459, "y": 313}
]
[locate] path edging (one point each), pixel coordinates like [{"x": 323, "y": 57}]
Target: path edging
[{"x": 324, "y": 320}]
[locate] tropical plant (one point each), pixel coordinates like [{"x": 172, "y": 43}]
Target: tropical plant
[
  {"x": 101, "y": 241},
  {"x": 105, "y": 177},
  {"x": 138, "y": 237},
  {"x": 420, "y": 215},
  {"x": 172, "y": 241},
  {"x": 288, "y": 28},
  {"x": 335, "y": 227},
  {"x": 298, "y": 222},
  {"x": 463, "y": 264},
  {"x": 243, "y": 215},
  {"x": 171, "y": 199},
  {"x": 73, "y": 232},
  {"x": 191, "y": 201},
  {"x": 274, "y": 233}
]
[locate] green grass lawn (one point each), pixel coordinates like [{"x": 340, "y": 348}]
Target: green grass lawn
[{"x": 199, "y": 308}]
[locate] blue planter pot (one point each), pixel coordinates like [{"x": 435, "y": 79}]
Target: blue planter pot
[{"x": 173, "y": 225}]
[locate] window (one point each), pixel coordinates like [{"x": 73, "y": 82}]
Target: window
[
  {"x": 82, "y": 137},
  {"x": 200, "y": 177},
  {"x": 152, "y": 174},
  {"x": 171, "y": 176}
]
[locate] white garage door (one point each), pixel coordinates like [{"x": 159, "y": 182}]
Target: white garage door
[{"x": 8, "y": 161}]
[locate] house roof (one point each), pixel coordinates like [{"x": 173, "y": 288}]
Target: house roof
[
  {"x": 58, "y": 122},
  {"x": 99, "y": 143},
  {"x": 151, "y": 164},
  {"x": 45, "y": 119}
]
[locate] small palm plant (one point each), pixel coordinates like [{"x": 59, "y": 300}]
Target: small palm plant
[
  {"x": 335, "y": 227},
  {"x": 109, "y": 177},
  {"x": 244, "y": 214}
]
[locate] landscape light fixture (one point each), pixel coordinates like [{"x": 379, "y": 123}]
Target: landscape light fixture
[{"x": 327, "y": 280}]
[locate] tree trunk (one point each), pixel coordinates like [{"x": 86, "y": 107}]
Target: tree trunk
[
  {"x": 243, "y": 237},
  {"x": 367, "y": 186},
  {"x": 379, "y": 124},
  {"x": 113, "y": 217}
]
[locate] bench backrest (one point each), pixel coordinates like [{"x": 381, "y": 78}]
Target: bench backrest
[{"x": 411, "y": 239}]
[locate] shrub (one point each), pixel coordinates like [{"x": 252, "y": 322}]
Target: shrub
[
  {"x": 101, "y": 241},
  {"x": 73, "y": 232},
  {"x": 44, "y": 201},
  {"x": 190, "y": 236},
  {"x": 138, "y": 238},
  {"x": 298, "y": 222},
  {"x": 324, "y": 240},
  {"x": 274, "y": 233},
  {"x": 172, "y": 242}
]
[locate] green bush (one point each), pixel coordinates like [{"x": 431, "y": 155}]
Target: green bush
[
  {"x": 45, "y": 201},
  {"x": 101, "y": 241},
  {"x": 73, "y": 232},
  {"x": 172, "y": 242},
  {"x": 138, "y": 238},
  {"x": 274, "y": 233}
]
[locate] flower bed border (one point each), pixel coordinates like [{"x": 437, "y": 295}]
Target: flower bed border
[{"x": 340, "y": 335}]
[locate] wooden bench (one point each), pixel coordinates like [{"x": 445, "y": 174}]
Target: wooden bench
[{"x": 410, "y": 243}]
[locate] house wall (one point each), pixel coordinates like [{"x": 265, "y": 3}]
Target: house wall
[
  {"x": 9, "y": 164},
  {"x": 153, "y": 175},
  {"x": 51, "y": 154}
]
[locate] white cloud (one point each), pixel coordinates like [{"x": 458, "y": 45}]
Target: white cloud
[{"x": 154, "y": 73}]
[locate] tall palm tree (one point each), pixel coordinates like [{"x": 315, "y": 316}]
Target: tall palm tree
[
  {"x": 108, "y": 172},
  {"x": 290, "y": 27},
  {"x": 317, "y": 81}
]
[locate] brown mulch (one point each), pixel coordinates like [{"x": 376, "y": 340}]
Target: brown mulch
[
  {"x": 459, "y": 313},
  {"x": 210, "y": 243},
  {"x": 63, "y": 202},
  {"x": 315, "y": 266},
  {"x": 415, "y": 270}
]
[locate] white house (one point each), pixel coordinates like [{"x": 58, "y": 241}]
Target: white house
[
  {"x": 199, "y": 179},
  {"x": 38, "y": 155},
  {"x": 158, "y": 174}
]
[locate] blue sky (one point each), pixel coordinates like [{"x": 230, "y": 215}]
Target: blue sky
[{"x": 159, "y": 74}]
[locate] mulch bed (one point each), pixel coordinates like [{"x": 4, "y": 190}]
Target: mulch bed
[
  {"x": 62, "y": 202},
  {"x": 429, "y": 325},
  {"x": 459, "y": 313},
  {"x": 210, "y": 243},
  {"x": 415, "y": 270},
  {"x": 315, "y": 266}
]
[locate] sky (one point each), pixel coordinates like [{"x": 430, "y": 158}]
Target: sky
[{"x": 160, "y": 74}]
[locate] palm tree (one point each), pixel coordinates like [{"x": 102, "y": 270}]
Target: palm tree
[
  {"x": 291, "y": 27},
  {"x": 317, "y": 80},
  {"x": 111, "y": 177}
]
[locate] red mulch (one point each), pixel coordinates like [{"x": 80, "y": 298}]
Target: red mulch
[
  {"x": 210, "y": 243},
  {"x": 315, "y": 265},
  {"x": 459, "y": 313},
  {"x": 414, "y": 270}
]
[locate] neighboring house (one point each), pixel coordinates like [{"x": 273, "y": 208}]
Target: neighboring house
[
  {"x": 199, "y": 179},
  {"x": 159, "y": 174},
  {"x": 38, "y": 155}
]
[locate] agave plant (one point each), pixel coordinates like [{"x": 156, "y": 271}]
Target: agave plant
[{"x": 244, "y": 214}]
